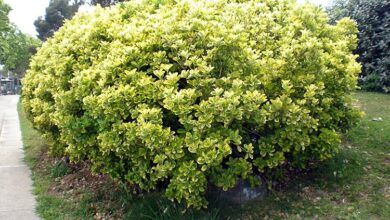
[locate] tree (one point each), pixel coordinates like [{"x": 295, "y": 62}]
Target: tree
[
  {"x": 4, "y": 21},
  {"x": 373, "y": 19},
  {"x": 59, "y": 10},
  {"x": 16, "y": 48},
  {"x": 17, "y": 51},
  {"x": 56, "y": 13},
  {"x": 4, "y": 25}
]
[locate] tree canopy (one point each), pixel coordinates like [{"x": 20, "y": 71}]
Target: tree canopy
[
  {"x": 56, "y": 13},
  {"x": 4, "y": 24},
  {"x": 17, "y": 51},
  {"x": 4, "y": 21},
  {"x": 16, "y": 48},
  {"x": 60, "y": 10}
]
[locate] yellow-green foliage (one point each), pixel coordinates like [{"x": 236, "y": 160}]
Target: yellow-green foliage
[{"x": 188, "y": 93}]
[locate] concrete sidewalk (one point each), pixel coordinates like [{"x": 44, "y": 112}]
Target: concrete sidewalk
[{"x": 16, "y": 199}]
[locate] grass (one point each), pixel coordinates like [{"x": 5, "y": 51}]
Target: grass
[{"x": 355, "y": 184}]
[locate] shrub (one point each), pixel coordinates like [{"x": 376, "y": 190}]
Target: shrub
[
  {"x": 373, "y": 19},
  {"x": 185, "y": 94}
]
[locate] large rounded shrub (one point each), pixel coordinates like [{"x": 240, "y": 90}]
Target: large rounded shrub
[{"x": 185, "y": 94}]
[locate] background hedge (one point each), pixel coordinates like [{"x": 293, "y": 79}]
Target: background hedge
[{"x": 373, "y": 18}]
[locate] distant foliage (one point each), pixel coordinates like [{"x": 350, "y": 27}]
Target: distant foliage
[
  {"x": 16, "y": 48},
  {"x": 56, "y": 13},
  {"x": 5, "y": 27},
  {"x": 373, "y": 18},
  {"x": 181, "y": 95},
  {"x": 4, "y": 20}
]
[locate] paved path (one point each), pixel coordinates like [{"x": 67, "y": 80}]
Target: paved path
[{"x": 16, "y": 199}]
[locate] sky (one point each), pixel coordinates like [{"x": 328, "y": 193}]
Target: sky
[{"x": 25, "y": 12}]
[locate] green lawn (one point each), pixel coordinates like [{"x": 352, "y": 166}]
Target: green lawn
[{"x": 355, "y": 184}]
